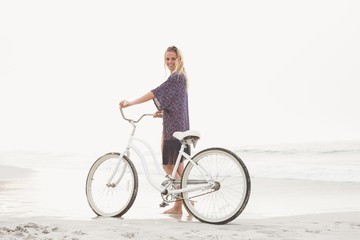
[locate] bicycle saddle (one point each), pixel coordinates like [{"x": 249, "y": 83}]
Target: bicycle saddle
[{"x": 189, "y": 136}]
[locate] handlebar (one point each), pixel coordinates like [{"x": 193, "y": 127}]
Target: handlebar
[{"x": 131, "y": 120}]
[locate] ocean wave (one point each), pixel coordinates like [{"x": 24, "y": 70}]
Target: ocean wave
[{"x": 322, "y": 149}]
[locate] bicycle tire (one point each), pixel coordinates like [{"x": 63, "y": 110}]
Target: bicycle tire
[
  {"x": 226, "y": 203},
  {"x": 111, "y": 201}
]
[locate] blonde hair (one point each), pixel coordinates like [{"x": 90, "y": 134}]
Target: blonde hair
[{"x": 179, "y": 66}]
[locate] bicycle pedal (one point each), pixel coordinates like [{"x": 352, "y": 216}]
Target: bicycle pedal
[{"x": 163, "y": 204}]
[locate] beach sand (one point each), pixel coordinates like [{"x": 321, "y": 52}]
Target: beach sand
[
  {"x": 312, "y": 226},
  {"x": 277, "y": 209}
]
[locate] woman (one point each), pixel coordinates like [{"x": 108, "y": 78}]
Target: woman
[{"x": 171, "y": 100}]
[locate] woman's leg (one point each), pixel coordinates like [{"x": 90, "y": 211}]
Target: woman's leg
[{"x": 177, "y": 208}]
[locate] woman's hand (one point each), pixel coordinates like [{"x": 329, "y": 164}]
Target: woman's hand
[
  {"x": 124, "y": 104},
  {"x": 158, "y": 114}
]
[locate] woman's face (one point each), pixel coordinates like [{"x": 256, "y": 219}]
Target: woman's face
[{"x": 170, "y": 60}]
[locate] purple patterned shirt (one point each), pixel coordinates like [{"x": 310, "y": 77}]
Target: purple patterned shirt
[{"x": 171, "y": 97}]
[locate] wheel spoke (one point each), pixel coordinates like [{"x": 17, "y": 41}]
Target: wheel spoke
[
  {"x": 226, "y": 203},
  {"x": 111, "y": 201}
]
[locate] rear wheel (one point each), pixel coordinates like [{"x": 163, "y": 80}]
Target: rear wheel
[
  {"x": 230, "y": 193},
  {"x": 111, "y": 198}
]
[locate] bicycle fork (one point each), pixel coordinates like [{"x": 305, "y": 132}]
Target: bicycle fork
[{"x": 115, "y": 183}]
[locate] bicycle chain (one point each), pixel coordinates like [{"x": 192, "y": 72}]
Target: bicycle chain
[{"x": 180, "y": 198}]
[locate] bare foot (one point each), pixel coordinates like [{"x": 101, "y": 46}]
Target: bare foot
[{"x": 173, "y": 210}]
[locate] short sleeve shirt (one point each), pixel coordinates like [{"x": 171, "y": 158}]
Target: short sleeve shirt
[{"x": 171, "y": 97}]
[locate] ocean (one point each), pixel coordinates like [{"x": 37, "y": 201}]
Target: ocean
[
  {"x": 331, "y": 161},
  {"x": 47, "y": 183}
]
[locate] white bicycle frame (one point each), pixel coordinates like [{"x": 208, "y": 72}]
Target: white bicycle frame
[{"x": 206, "y": 184}]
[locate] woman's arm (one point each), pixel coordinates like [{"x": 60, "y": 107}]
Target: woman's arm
[{"x": 145, "y": 98}]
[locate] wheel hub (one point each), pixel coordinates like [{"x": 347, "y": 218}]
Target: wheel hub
[{"x": 216, "y": 186}]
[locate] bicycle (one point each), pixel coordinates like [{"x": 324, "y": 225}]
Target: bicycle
[{"x": 215, "y": 185}]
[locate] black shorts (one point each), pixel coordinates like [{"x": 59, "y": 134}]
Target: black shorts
[{"x": 171, "y": 150}]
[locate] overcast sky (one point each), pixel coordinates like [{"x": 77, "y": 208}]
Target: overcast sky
[{"x": 261, "y": 72}]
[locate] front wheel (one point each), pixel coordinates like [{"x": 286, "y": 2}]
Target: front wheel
[
  {"x": 111, "y": 185},
  {"x": 230, "y": 193}
]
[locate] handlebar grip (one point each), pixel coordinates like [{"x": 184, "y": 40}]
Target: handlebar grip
[{"x": 123, "y": 115}]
